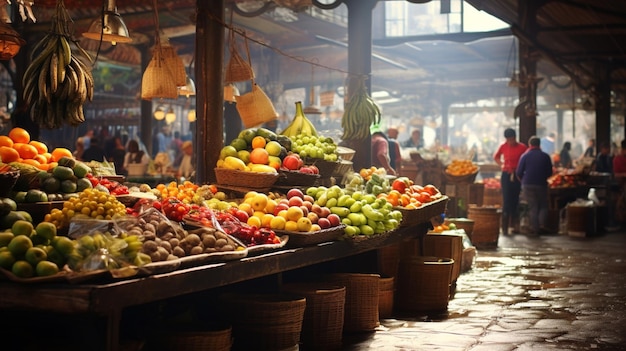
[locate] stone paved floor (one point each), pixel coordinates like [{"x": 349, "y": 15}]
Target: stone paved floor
[{"x": 552, "y": 292}]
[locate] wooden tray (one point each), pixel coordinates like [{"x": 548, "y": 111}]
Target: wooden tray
[{"x": 423, "y": 213}]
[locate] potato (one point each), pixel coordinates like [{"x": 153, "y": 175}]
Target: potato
[
  {"x": 227, "y": 247},
  {"x": 208, "y": 240},
  {"x": 178, "y": 251},
  {"x": 196, "y": 250},
  {"x": 166, "y": 245},
  {"x": 193, "y": 239},
  {"x": 221, "y": 242}
]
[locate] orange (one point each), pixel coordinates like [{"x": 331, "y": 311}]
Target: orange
[
  {"x": 41, "y": 159},
  {"x": 60, "y": 152},
  {"x": 258, "y": 141},
  {"x": 19, "y": 135},
  {"x": 8, "y": 154},
  {"x": 41, "y": 147},
  {"x": 48, "y": 156},
  {"x": 26, "y": 151},
  {"x": 259, "y": 156},
  {"x": 6, "y": 141}
]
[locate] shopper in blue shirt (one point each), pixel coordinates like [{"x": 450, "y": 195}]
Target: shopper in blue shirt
[{"x": 533, "y": 170}]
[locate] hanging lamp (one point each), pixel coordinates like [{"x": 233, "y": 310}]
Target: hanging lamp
[
  {"x": 159, "y": 114},
  {"x": 10, "y": 41},
  {"x": 312, "y": 109},
  {"x": 170, "y": 116},
  {"x": 114, "y": 29}
]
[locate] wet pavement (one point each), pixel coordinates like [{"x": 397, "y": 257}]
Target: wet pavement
[{"x": 552, "y": 292}]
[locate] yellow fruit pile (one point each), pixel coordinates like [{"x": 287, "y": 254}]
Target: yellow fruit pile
[
  {"x": 461, "y": 168},
  {"x": 91, "y": 203}
]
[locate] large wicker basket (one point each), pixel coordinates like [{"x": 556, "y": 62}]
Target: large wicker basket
[
  {"x": 423, "y": 284},
  {"x": 322, "y": 328},
  {"x": 486, "y": 225},
  {"x": 361, "y": 311},
  {"x": 214, "y": 338},
  {"x": 264, "y": 321},
  {"x": 386, "y": 291},
  {"x": 445, "y": 245},
  {"x": 252, "y": 180}
]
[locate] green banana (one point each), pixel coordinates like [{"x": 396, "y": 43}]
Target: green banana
[{"x": 300, "y": 125}]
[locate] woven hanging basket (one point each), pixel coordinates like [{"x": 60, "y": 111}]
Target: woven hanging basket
[
  {"x": 157, "y": 81},
  {"x": 238, "y": 69},
  {"x": 255, "y": 107},
  {"x": 175, "y": 64}
]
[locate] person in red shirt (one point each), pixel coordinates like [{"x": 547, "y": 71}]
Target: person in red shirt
[
  {"x": 507, "y": 156},
  {"x": 619, "y": 161}
]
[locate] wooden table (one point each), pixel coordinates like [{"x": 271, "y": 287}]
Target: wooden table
[{"x": 108, "y": 300}]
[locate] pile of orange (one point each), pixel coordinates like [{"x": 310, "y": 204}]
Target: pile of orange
[
  {"x": 366, "y": 173},
  {"x": 183, "y": 192},
  {"x": 17, "y": 147},
  {"x": 461, "y": 168}
]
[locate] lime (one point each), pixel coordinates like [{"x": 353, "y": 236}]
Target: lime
[
  {"x": 23, "y": 269},
  {"x": 239, "y": 144},
  {"x": 247, "y": 135},
  {"x": 228, "y": 151},
  {"x": 46, "y": 268}
]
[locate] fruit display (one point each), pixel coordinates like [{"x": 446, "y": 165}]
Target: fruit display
[
  {"x": 565, "y": 180},
  {"x": 293, "y": 162},
  {"x": 492, "y": 183},
  {"x": 172, "y": 208},
  {"x": 300, "y": 125},
  {"x": 461, "y": 167},
  {"x": 188, "y": 192},
  {"x": 29, "y": 251},
  {"x": 255, "y": 150},
  {"x": 57, "y": 82},
  {"x": 362, "y": 213},
  {"x": 360, "y": 113},
  {"x": 91, "y": 203},
  {"x": 366, "y": 173},
  {"x": 112, "y": 187},
  {"x": 105, "y": 250},
  {"x": 18, "y": 149},
  {"x": 377, "y": 185},
  {"x": 316, "y": 147},
  {"x": 411, "y": 196}
]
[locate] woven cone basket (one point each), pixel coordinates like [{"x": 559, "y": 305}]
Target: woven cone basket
[
  {"x": 157, "y": 81},
  {"x": 175, "y": 64}
]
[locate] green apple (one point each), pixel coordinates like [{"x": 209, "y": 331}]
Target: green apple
[
  {"x": 6, "y": 259},
  {"x": 273, "y": 148},
  {"x": 311, "y": 191},
  {"x": 35, "y": 255},
  {"x": 19, "y": 245},
  {"x": 244, "y": 155},
  {"x": 55, "y": 256},
  {"x": 64, "y": 245},
  {"x": 23, "y": 269},
  {"x": 46, "y": 230},
  {"x": 46, "y": 268},
  {"x": 5, "y": 238},
  {"x": 38, "y": 240},
  {"x": 226, "y": 151},
  {"x": 21, "y": 227}
]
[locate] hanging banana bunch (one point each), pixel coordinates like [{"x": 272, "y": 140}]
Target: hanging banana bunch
[
  {"x": 57, "y": 83},
  {"x": 359, "y": 114},
  {"x": 300, "y": 125}
]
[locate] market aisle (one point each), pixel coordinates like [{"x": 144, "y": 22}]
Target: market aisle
[{"x": 531, "y": 293}]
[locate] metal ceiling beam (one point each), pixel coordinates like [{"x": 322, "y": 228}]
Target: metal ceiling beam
[{"x": 465, "y": 37}]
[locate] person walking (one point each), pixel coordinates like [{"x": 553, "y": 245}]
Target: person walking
[
  {"x": 534, "y": 169},
  {"x": 565, "y": 159},
  {"x": 604, "y": 160},
  {"x": 507, "y": 157}
]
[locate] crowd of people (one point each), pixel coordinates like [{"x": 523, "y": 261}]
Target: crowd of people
[
  {"x": 386, "y": 149},
  {"x": 123, "y": 151}
]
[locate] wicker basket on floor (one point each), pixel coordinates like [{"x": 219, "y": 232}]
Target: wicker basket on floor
[
  {"x": 264, "y": 321},
  {"x": 218, "y": 339},
  {"x": 486, "y": 225},
  {"x": 361, "y": 310},
  {"x": 445, "y": 245},
  {"x": 322, "y": 327},
  {"x": 423, "y": 284},
  {"x": 386, "y": 286}
]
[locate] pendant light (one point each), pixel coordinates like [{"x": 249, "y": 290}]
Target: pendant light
[
  {"x": 159, "y": 114},
  {"x": 312, "y": 109},
  {"x": 170, "y": 116},
  {"x": 114, "y": 29},
  {"x": 10, "y": 41}
]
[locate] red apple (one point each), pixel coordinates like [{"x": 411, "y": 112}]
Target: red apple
[
  {"x": 334, "y": 220},
  {"x": 306, "y": 170},
  {"x": 313, "y": 217},
  {"x": 242, "y": 216},
  {"x": 296, "y": 201},
  {"x": 280, "y": 207},
  {"x": 308, "y": 198},
  {"x": 314, "y": 169},
  {"x": 324, "y": 223},
  {"x": 292, "y": 162},
  {"x": 295, "y": 192}
]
